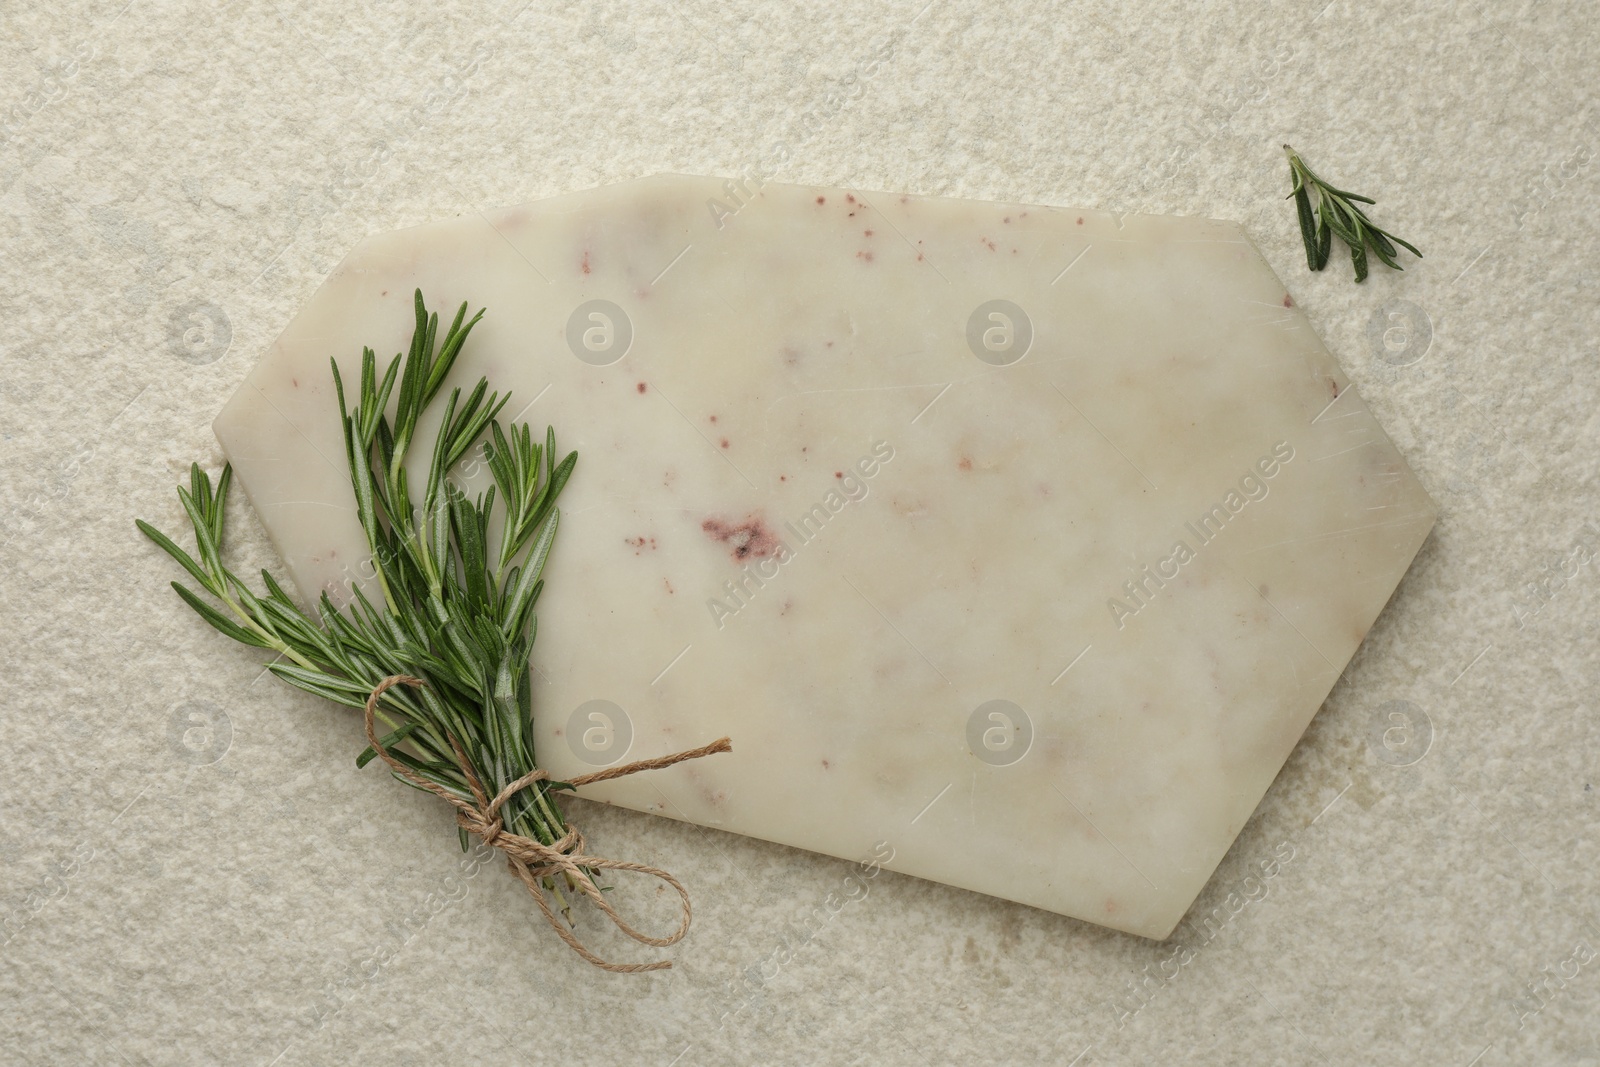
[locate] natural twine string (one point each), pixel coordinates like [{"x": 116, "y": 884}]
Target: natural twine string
[{"x": 529, "y": 859}]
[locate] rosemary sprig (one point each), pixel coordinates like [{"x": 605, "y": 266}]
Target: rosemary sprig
[
  {"x": 451, "y": 614},
  {"x": 1338, "y": 216}
]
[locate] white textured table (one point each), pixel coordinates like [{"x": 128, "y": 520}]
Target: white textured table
[{"x": 193, "y": 870}]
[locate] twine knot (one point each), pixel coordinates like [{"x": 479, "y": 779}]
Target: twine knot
[{"x": 532, "y": 860}]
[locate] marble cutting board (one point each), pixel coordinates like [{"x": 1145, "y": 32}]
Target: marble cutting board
[{"x": 1018, "y": 544}]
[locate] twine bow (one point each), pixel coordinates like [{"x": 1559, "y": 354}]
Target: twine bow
[{"x": 531, "y": 860}]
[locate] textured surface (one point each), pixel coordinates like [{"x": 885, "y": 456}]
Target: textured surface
[
  {"x": 840, "y": 500},
  {"x": 193, "y": 872}
]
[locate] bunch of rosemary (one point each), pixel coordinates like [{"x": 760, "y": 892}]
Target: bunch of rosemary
[{"x": 455, "y": 614}]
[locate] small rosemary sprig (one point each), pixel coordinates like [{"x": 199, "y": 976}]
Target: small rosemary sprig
[
  {"x": 453, "y": 614},
  {"x": 1338, "y": 216}
]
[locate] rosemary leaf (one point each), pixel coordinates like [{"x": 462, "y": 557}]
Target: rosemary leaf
[
  {"x": 388, "y": 740},
  {"x": 180, "y": 555},
  {"x": 1308, "y": 225},
  {"x": 220, "y": 621}
]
